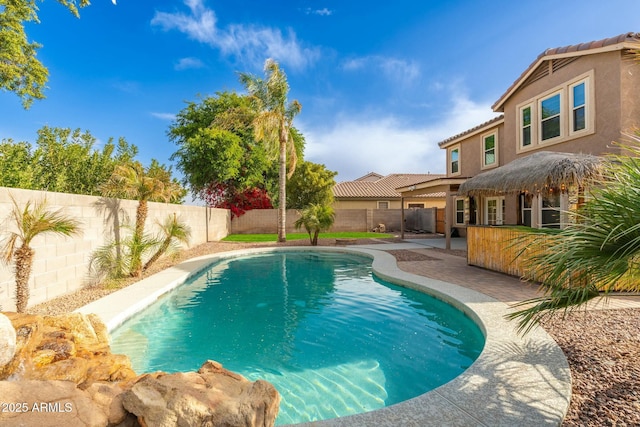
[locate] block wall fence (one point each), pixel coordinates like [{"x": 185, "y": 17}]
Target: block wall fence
[{"x": 61, "y": 264}]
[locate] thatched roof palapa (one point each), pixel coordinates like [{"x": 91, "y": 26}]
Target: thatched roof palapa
[{"x": 535, "y": 172}]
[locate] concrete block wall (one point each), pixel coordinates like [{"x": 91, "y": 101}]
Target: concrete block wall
[{"x": 61, "y": 264}]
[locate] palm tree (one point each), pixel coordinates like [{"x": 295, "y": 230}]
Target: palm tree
[
  {"x": 315, "y": 218},
  {"x": 133, "y": 181},
  {"x": 173, "y": 230},
  {"x": 273, "y": 126},
  {"x": 597, "y": 253},
  {"x": 31, "y": 222}
]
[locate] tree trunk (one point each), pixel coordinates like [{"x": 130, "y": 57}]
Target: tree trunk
[
  {"x": 23, "y": 260},
  {"x": 282, "y": 184},
  {"x": 315, "y": 238},
  {"x": 158, "y": 254},
  {"x": 141, "y": 217}
]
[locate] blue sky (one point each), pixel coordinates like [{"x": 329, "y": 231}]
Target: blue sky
[{"x": 380, "y": 82}]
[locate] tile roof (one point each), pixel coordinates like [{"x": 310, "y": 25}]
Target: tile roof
[
  {"x": 472, "y": 130},
  {"x": 626, "y": 40},
  {"x": 384, "y": 187}
]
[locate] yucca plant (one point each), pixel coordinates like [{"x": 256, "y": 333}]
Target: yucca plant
[
  {"x": 314, "y": 219},
  {"x": 31, "y": 221},
  {"x": 173, "y": 230},
  {"x": 597, "y": 253}
]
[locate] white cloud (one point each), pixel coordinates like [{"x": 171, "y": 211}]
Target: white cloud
[
  {"x": 355, "y": 146},
  {"x": 395, "y": 69},
  {"x": 164, "y": 116},
  {"x": 322, "y": 12},
  {"x": 188, "y": 63},
  {"x": 248, "y": 43}
]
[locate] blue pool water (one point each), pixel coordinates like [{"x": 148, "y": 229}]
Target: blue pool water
[{"x": 333, "y": 338}]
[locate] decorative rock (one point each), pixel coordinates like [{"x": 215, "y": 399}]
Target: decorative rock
[
  {"x": 7, "y": 340},
  {"x": 213, "y": 396}
]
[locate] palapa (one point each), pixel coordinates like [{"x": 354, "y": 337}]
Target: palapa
[{"x": 539, "y": 171}]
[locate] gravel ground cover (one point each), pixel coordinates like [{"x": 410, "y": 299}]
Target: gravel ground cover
[{"x": 602, "y": 346}]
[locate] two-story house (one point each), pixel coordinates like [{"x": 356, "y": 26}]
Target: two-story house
[{"x": 526, "y": 165}]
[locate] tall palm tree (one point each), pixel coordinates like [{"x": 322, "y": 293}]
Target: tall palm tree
[
  {"x": 316, "y": 218},
  {"x": 133, "y": 181},
  {"x": 597, "y": 253},
  {"x": 31, "y": 221},
  {"x": 273, "y": 126}
]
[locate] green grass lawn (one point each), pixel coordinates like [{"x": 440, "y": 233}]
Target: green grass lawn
[{"x": 299, "y": 236}]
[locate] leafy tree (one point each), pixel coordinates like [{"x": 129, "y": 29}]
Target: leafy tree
[
  {"x": 597, "y": 252},
  {"x": 133, "y": 181},
  {"x": 20, "y": 70},
  {"x": 238, "y": 202},
  {"x": 311, "y": 183},
  {"x": 273, "y": 125},
  {"x": 63, "y": 160},
  {"x": 315, "y": 218},
  {"x": 216, "y": 144},
  {"x": 31, "y": 222}
]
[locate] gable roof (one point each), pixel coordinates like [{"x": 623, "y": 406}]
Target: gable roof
[
  {"x": 623, "y": 41},
  {"x": 384, "y": 187}
]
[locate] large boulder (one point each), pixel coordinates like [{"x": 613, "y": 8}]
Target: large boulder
[
  {"x": 213, "y": 396},
  {"x": 7, "y": 341}
]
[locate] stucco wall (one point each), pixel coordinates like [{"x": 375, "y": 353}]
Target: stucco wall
[{"x": 61, "y": 264}]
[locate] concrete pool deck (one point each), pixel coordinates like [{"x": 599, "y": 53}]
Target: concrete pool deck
[{"x": 515, "y": 381}]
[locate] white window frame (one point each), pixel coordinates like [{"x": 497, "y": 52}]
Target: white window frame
[
  {"x": 483, "y": 138},
  {"x": 450, "y": 161},
  {"x": 566, "y": 113},
  {"x": 500, "y": 210},
  {"x": 561, "y": 117},
  {"x": 457, "y": 210}
]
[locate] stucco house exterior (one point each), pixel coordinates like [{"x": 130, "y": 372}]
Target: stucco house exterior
[
  {"x": 567, "y": 108},
  {"x": 375, "y": 191}
]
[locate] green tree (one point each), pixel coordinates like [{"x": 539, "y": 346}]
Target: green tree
[
  {"x": 597, "y": 252},
  {"x": 16, "y": 162},
  {"x": 31, "y": 222},
  {"x": 20, "y": 70},
  {"x": 311, "y": 183},
  {"x": 133, "y": 181},
  {"x": 315, "y": 219},
  {"x": 216, "y": 144},
  {"x": 273, "y": 126}
]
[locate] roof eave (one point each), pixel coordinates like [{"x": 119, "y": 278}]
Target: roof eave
[{"x": 498, "y": 106}]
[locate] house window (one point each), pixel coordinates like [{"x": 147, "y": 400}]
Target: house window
[
  {"x": 562, "y": 113},
  {"x": 578, "y": 107},
  {"x": 526, "y": 203},
  {"x": 415, "y": 205},
  {"x": 550, "y": 117},
  {"x": 550, "y": 210},
  {"x": 459, "y": 211},
  {"x": 383, "y": 205},
  {"x": 454, "y": 161},
  {"x": 489, "y": 150},
  {"x": 494, "y": 208},
  {"x": 525, "y": 123}
]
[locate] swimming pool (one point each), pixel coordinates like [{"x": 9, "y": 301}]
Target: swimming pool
[{"x": 313, "y": 324}]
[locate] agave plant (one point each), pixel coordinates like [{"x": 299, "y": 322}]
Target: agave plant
[
  {"x": 173, "y": 230},
  {"x": 30, "y": 222},
  {"x": 597, "y": 253},
  {"x": 314, "y": 219}
]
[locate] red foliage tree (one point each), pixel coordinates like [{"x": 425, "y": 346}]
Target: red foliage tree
[{"x": 221, "y": 195}]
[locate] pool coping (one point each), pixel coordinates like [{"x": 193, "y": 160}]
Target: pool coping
[{"x": 516, "y": 380}]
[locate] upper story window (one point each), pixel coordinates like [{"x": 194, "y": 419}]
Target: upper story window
[
  {"x": 489, "y": 150},
  {"x": 454, "y": 161},
  {"x": 550, "y": 117},
  {"x": 560, "y": 114},
  {"x": 578, "y": 107}
]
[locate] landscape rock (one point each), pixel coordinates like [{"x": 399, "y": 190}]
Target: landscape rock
[
  {"x": 213, "y": 396},
  {"x": 62, "y": 373},
  {"x": 7, "y": 340}
]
